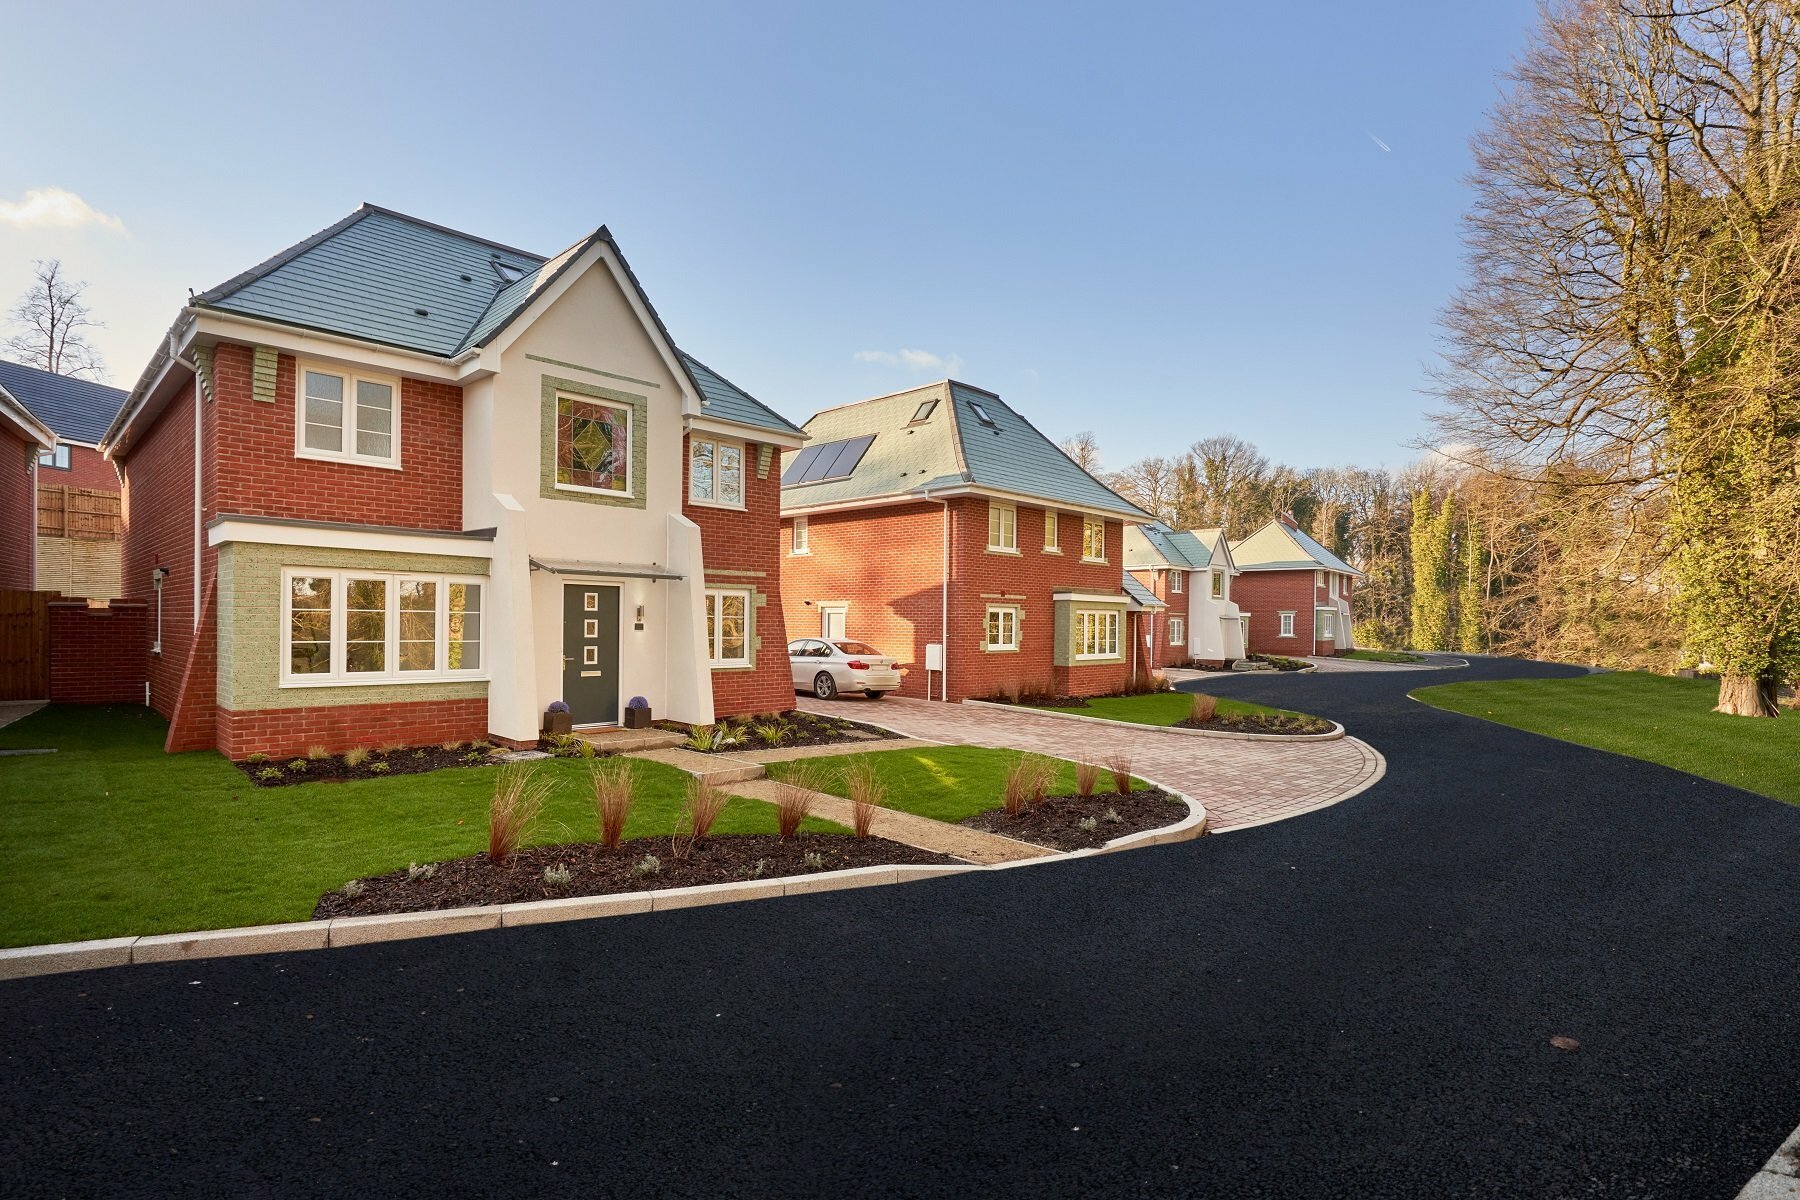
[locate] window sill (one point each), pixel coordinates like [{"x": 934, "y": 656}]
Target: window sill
[
  {"x": 353, "y": 460},
  {"x": 1000, "y": 649},
  {"x": 731, "y": 666},
  {"x": 588, "y": 491},
  {"x": 698, "y": 503},
  {"x": 1013, "y": 553},
  {"x": 1052, "y": 549},
  {"x": 1095, "y": 660},
  {"x": 1099, "y": 562},
  {"x": 386, "y": 680},
  {"x": 799, "y": 553}
]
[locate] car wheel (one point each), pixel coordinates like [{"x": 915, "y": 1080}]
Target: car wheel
[
  {"x": 824, "y": 686},
  {"x": 874, "y": 695}
]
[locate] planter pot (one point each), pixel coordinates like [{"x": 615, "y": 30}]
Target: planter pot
[
  {"x": 556, "y": 723},
  {"x": 637, "y": 718}
]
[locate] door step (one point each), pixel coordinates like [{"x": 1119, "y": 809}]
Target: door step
[{"x": 626, "y": 741}]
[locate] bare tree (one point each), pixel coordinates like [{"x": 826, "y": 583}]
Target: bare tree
[
  {"x": 1084, "y": 448},
  {"x": 1148, "y": 483},
  {"x": 1232, "y": 478},
  {"x": 53, "y": 316}
]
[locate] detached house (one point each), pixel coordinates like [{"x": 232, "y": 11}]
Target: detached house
[
  {"x": 939, "y": 526},
  {"x": 400, "y": 483},
  {"x": 1189, "y": 572},
  {"x": 1295, "y": 594},
  {"x": 73, "y": 519}
]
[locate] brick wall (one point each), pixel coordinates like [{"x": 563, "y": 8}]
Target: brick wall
[
  {"x": 159, "y": 531},
  {"x": 289, "y": 732},
  {"x": 1264, "y": 595},
  {"x": 1156, "y": 621},
  {"x": 18, "y": 511},
  {"x": 97, "y": 654},
  {"x": 748, "y": 540},
  {"x": 88, "y": 468},
  {"x": 259, "y": 474},
  {"x": 887, "y": 564}
]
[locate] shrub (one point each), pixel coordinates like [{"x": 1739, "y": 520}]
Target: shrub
[
  {"x": 354, "y": 888},
  {"x": 557, "y": 875},
  {"x": 482, "y": 746},
  {"x": 1009, "y": 691},
  {"x": 519, "y": 796},
  {"x": 420, "y": 870},
  {"x": 1120, "y": 767},
  {"x": 1205, "y": 707},
  {"x": 794, "y": 798},
  {"x": 317, "y": 753},
  {"x": 256, "y": 758},
  {"x": 866, "y": 793},
  {"x": 647, "y": 865},
  {"x": 1087, "y": 778},
  {"x": 269, "y": 773},
  {"x": 704, "y": 804},
  {"x": 419, "y": 753},
  {"x": 356, "y": 756},
  {"x": 1027, "y": 781},
  {"x": 298, "y": 764},
  {"x": 814, "y": 860},
  {"x": 612, "y": 797},
  {"x": 379, "y": 768},
  {"x": 773, "y": 733},
  {"x": 700, "y": 737},
  {"x": 567, "y": 745},
  {"x": 557, "y": 706}
]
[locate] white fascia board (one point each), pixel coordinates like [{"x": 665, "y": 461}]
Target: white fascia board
[
  {"x": 212, "y": 327},
  {"x": 1090, "y": 510},
  {"x": 748, "y": 433},
  {"x": 947, "y": 493},
  {"x": 17, "y": 415},
  {"x": 1093, "y": 597},
  {"x": 314, "y": 537}
]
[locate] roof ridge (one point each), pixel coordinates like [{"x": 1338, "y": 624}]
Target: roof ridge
[
  {"x": 686, "y": 357},
  {"x": 367, "y": 207},
  {"x": 919, "y": 387},
  {"x": 570, "y": 255}
]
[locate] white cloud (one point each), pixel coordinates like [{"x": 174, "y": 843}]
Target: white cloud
[
  {"x": 912, "y": 360},
  {"x": 55, "y": 208}
]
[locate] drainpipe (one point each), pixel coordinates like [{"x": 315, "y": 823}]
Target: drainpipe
[{"x": 944, "y": 610}]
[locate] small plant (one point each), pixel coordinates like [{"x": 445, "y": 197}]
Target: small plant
[
  {"x": 389, "y": 748},
  {"x": 1205, "y": 707},
  {"x": 814, "y": 860},
  {"x": 700, "y": 737},
  {"x": 1120, "y": 767},
  {"x": 1160, "y": 682},
  {"x": 354, "y": 888},
  {"x": 473, "y": 757},
  {"x": 757, "y": 872},
  {"x": 420, "y": 870},
  {"x": 773, "y": 733},
  {"x": 450, "y": 747},
  {"x": 612, "y": 782},
  {"x": 298, "y": 764},
  {"x": 482, "y": 746},
  {"x": 637, "y": 702},
  {"x": 356, "y": 756},
  {"x": 1087, "y": 778},
  {"x": 1087, "y": 824},
  {"x": 519, "y": 796},
  {"x": 317, "y": 753},
  {"x": 557, "y": 706},
  {"x": 269, "y": 773},
  {"x": 1111, "y": 817},
  {"x": 794, "y": 798},
  {"x": 419, "y": 754},
  {"x": 1027, "y": 782},
  {"x": 866, "y": 793},
  {"x": 647, "y": 865},
  {"x": 379, "y": 768},
  {"x": 704, "y": 804},
  {"x": 256, "y": 758},
  {"x": 557, "y": 875}
]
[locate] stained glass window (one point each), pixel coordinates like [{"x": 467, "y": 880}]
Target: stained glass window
[{"x": 593, "y": 445}]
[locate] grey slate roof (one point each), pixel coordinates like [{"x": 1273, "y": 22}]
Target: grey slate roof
[
  {"x": 950, "y": 448},
  {"x": 1141, "y": 595},
  {"x": 1177, "y": 548},
  {"x": 76, "y": 410},
  {"x": 1279, "y": 547},
  {"x": 370, "y": 275}
]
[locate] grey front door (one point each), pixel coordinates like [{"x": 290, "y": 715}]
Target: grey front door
[{"x": 591, "y": 653}]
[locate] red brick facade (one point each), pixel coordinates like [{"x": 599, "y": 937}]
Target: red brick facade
[
  {"x": 887, "y": 565},
  {"x": 88, "y": 469},
  {"x": 284, "y": 732},
  {"x": 96, "y": 654},
  {"x": 742, "y": 548},
  {"x": 159, "y": 522},
  {"x": 1265, "y": 595},
  {"x": 18, "y": 511}
]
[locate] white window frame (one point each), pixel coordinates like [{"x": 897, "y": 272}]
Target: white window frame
[
  {"x": 1052, "y": 531},
  {"x": 1318, "y": 579},
  {"x": 711, "y": 627},
  {"x": 1287, "y": 624},
  {"x": 718, "y": 445},
  {"x": 1175, "y": 583},
  {"x": 347, "y": 441},
  {"x": 1096, "y": 633},
  {"x": 631, "y": 463},
  {"x": 1177, "y": 631},
  {"x": 1088, "y": 524},
  {"x": 339, "y": 676},
  {"x": 1003, "y": 524},
  {"x": 1010, "y": 624},
  {"x": 54, "y": 459},
  {"x": 802, "y": 537},
  {"x": 1218, "y": 584},
  {"x": 1323, "y": 617}
]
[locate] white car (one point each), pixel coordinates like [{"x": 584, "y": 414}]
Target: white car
[{"x": 827, "y": 668}]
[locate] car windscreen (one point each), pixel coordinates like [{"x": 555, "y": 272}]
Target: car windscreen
[{"x": 855, "y": 648}]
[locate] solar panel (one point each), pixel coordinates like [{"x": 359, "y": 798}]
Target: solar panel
[
  {"x": 801, "y": 462},
  {"x": 833, "y": 460}
]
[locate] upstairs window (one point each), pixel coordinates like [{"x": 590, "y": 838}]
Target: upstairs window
[
  {"x": 716, "y": 472},
  {"x": 1218, "y": 584},
  {"x": 347, "y": 417},
  {"x": 1093, "y": 539},
  {"x": 1003, "y": 527},
  {"x": 57, "y": 459},
  {"x": 802, "y": 537},
  {"x": 1051, "y": 543},
  {"x": 1175, "y": 582},
  {"x": 593, "y": 446}
]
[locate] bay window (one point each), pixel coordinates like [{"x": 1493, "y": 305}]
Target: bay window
[
  {"x": 362, "y": 627},
  {"x": 1096, "y": 633}
]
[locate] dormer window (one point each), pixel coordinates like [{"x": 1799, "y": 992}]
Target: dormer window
[{"x": 347, "y": 416}]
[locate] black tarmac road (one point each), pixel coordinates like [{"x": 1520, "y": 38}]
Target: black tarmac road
[{"x": 1358, "y": 1002}]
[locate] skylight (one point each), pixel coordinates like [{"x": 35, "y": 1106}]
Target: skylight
[
  {"x": 507, "y": 272},
  {"x": 832, "y": 460},
  {"x": 981, "y": 414},
  {"x": 924, "y": 411}
]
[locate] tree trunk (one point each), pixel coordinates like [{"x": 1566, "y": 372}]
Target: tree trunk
[{"x": 1747, "y": 696}]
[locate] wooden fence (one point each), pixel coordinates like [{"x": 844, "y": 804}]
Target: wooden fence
[
  {"x": 79, "y": 513},
  {"x": 24, "y": 645}
]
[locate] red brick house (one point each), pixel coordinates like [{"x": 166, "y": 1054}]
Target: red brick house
[
  {"x": 74, "y": 525},
  {"x": 23, "y": 438},
  {"x": 1189, "y": 572},
  {"x": 400, "y": 483},
  {"x": 939, "y": 526},
  {"x": 1295, "y": 594}
]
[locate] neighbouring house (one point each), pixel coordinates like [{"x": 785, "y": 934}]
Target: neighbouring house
[
  {"x": 74, "y": 521},
  {"x": 23, "y": 438},
  {"x": 939, "y": 526},
  {"x": 1294, "y": 593},
  {"x": 1190, "y": 572},
  {"x": 404, "y": 484}
]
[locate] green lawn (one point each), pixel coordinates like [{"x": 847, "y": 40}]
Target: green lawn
[
  {"x": 1663, "y": 720},
  {"x": 1164, "y": 708},
  {"x": 1383, "y": 656},
  {"x": 111, "y": 837},
  {"x": 946, "y": 783}
]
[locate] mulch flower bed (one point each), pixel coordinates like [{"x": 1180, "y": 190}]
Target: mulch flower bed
[
  {"x": 1281, "y": 662},
  {"x": 409, "y": 760},
  {"x": 1057, "y": 822},
  {"x": 596, "y": 871},
  {"x": 796, "y": 729},
  {"x": 1259, "y": 723}
]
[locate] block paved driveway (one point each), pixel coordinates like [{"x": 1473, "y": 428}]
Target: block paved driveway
[
  {"x": 1355, "y": 1002},
  {"x": 1241, "y": 783}
]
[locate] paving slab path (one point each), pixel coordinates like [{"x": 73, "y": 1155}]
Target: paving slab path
[{"x": 1241, "y": 783}]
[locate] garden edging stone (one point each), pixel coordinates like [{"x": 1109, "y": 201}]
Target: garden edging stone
[{"x": 1336, "y": 732}]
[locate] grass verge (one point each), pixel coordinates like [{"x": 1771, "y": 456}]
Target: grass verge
[
  {"x": 1383, "y": 656},
  {"x": 1652, "y": 717},
  {"x": 1165, "y": 708},
  {"x": 945, "y": 783},
  {"x": 110, "y": 837}
]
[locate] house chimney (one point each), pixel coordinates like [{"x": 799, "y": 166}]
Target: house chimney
[{"x": 1287, "y": 518}]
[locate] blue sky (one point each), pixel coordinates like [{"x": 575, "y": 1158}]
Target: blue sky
[{"x": 1171, "y": 222}]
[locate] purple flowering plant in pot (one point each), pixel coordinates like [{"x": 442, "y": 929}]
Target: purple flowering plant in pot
[
  {"x": 637, "y": 713},
  {"x": 557, "y": 719}
]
